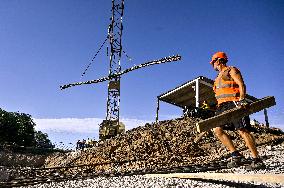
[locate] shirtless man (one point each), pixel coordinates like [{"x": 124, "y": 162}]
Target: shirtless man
[{"x": 230, "y": 92}]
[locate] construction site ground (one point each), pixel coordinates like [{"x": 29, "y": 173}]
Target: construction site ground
[{"x": 166, "y": 147}]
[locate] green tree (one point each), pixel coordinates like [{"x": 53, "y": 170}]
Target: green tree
[
  {"x": 8, "y": 130},
  {"x": 18, "y": 129},
  {"x": 42, "y": 140}
]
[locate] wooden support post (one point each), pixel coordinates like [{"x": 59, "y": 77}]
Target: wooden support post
[{"x": 199, "y": 137}]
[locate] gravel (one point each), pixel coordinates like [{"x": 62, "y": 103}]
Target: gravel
[{"x": 273, "y": 157}]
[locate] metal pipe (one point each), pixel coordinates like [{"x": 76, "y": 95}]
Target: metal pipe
[
  {"x": 197, "y": 93},
  {"x": 158, "y": 108},
  {"x": 266, "y": 118}
]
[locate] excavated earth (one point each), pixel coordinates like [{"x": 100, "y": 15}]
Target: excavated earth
[{"x": 165, "y": 144}]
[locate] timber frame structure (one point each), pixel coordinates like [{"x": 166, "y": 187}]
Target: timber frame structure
[{"x": 192, "y": 93}]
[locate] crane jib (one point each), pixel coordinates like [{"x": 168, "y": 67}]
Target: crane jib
[{"x": 154, "y": 62}]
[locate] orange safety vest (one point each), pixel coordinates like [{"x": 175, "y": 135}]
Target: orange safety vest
[{"x": 226, "y": 91}]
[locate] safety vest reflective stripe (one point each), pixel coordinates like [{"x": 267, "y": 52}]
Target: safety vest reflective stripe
[
  {"x": 228, "y": 95},
  {"x": 227, "y": 86}
]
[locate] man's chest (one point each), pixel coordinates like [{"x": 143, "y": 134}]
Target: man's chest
[{"x": 225, "y": 76}]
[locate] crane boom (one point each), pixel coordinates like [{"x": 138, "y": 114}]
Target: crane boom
[{"x": 154, "y": 62}]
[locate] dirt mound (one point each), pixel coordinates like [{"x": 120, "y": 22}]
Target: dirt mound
[{"x": 167, "y": 143}]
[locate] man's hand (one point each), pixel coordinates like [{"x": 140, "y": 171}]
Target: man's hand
[{"x": 242, "y": 103}]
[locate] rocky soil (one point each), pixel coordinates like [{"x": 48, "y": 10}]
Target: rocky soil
[
  {"x": 273, "y": 157},
  {"x": 178, "y": 136},
  {"x": 165, "y": 144}
]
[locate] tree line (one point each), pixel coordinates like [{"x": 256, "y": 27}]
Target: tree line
[{"x": 18, "y": 129}]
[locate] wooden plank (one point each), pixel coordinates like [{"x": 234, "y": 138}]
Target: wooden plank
[
  {"x": 258, "y": 178},
  {"x": 199, "y": 136},
  {"x": 235, "y": 114}
]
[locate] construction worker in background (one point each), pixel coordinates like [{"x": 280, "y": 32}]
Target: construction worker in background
[
  {"x": 230, "y": 92},
  {"x": 207, "y": 110},
  {"x": 88, "y": 143},
  {"x": 205, "y": 105},
  {"x": 78, "y": 145}
]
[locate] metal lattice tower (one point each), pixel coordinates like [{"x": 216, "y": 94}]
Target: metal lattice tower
[
  {"x": 109, "y": 127},
  {"x": 115, "y": 35}
]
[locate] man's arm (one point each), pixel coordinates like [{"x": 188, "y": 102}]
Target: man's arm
[{"x": 237, "y": 76}]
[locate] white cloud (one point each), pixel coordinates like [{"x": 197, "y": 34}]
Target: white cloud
[
  {"x": 91, "y": 125},
  {"x": 84, "y": 125}
]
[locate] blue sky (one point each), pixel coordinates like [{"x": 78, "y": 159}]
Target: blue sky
[{"x": 44, "y": 44}]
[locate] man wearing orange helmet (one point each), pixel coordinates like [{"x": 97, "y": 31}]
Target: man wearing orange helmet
[{"x": 230, "y": 92}]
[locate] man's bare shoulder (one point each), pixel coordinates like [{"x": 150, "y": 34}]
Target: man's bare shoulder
[{"x": 234, "y": 71}]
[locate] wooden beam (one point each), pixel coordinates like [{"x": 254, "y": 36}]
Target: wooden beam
[
  {"x": 199, "y": 137},
  {"x": 259, "y": 178},
  {"x": 235, "y": 114}
]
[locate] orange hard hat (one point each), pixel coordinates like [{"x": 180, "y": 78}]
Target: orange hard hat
[{"x": 218, "y": 55}]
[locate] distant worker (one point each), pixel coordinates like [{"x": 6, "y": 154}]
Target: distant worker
[
  {"x": 88, "y": 143},
  {"x": 230, "y": 92},
  {"x": 83, "y": 144},
  {"x": 94, "y": 143},
  {"x": 78, "y": 145},
  {"x": 205, "y": 105},
  {"x": 207, "y": 110}
]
